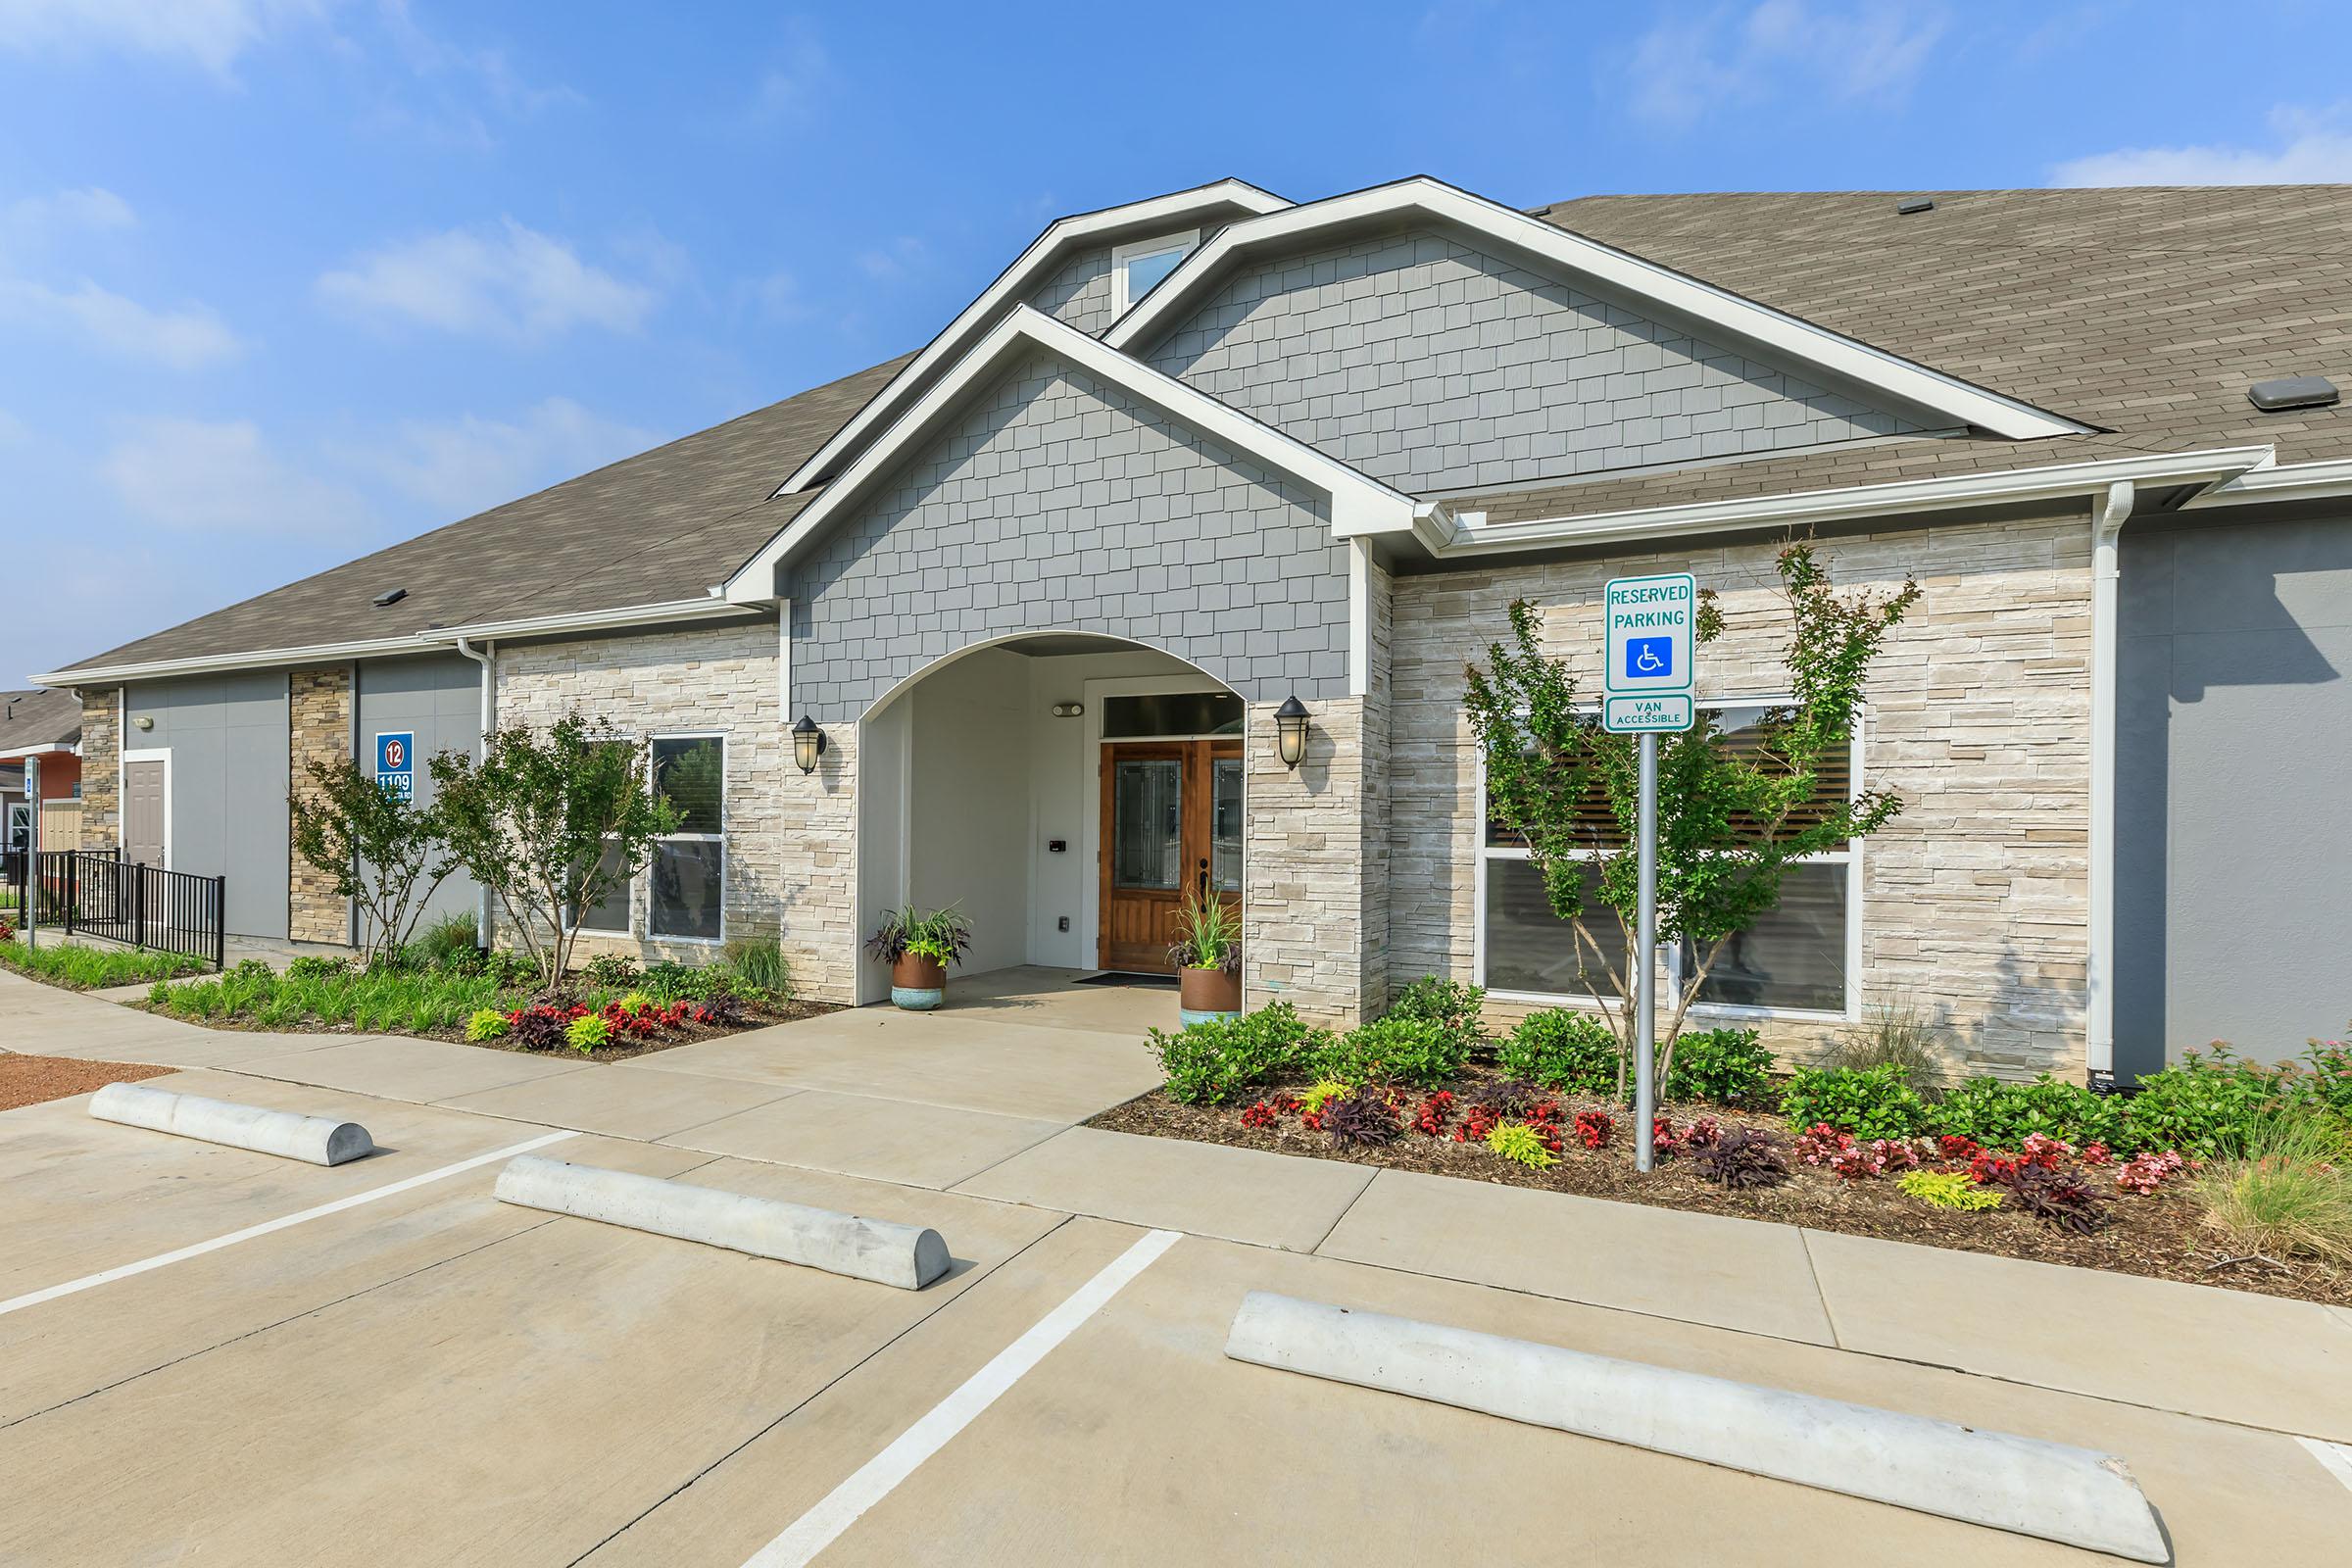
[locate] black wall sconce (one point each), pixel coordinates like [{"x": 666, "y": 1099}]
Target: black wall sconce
[
  {"x": 1289, "y": 731},
  {"x": 808, "y": 744}
]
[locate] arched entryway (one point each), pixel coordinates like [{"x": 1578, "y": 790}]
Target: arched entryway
[{"x": 1062, "y": 789}]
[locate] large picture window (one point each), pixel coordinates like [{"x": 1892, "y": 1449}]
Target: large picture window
[
  {"x": 688, "y": 892},
  {"x": 1798, "y": 957}
]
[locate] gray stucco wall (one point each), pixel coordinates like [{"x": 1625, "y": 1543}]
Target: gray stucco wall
[
  {"x": 1059, "y": 503},
  {"x": 437, "y": 700},
  {"x": 1435, "y": 367},
  {"x": 2234, "y": 751},
  {"x": 227, "y": 735}
]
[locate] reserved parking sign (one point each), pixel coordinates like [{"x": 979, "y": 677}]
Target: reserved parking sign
[{"x": 1649, "y": 629}]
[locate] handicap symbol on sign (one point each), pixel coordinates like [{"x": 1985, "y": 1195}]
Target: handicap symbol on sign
[{"x": 1648, "y": 658}]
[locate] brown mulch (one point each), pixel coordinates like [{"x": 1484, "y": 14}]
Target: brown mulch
[
  {"x": 668, "y": 1040},
  {"x": 31, "y": 1080},
  {"x": 2159, "y": 1236}
]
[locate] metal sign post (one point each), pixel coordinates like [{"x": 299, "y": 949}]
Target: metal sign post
[
  {"x": 1649, "y": 625},
  {"x": 33, "y": 852}
]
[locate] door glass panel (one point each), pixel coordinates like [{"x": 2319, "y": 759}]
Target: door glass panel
[
  {"x": 1147, "y": 834},
  {"x": 1171, "y": 713},
  {"x": 1225, "y": 823}
]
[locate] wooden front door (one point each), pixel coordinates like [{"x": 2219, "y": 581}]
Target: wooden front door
[{"x": 1171, "y": 820}]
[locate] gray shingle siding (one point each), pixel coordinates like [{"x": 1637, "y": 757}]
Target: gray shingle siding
[
  {"x": 1435, "y": 367},
  {"x": 1079, "y": 292},
  {"x": 1059, "y": 503}
]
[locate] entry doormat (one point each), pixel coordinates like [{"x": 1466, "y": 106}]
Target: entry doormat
[{"x": 1120, "y": 977}]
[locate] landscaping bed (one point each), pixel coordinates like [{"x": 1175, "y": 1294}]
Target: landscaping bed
[
  {"x": 608, "y": 1010},
  {"x": 33, "y": 1080},
  {"x": 78, "y": 967},
  {"x": 2220, "y": 1173}
]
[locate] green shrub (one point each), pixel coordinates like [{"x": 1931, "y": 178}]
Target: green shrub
[
  {"x": 487, "y": 1023},
  {"x": 759, "y": 963},
  {"x": 1948, "y": 1189},
  {"x": 317, "y": 966},
  {"x": 1395, "y": 1050},
  {"x": 2206, "y": 1105},
  {"x": 615, "y": 969},
  {"x": 2288, "y": 1193},
  {"x": 2330, "y": 1082},
  {"x": 670, "y": 981},
  {"x": 1563, "y": 1050},
  {"x": 1867, "y": 1102},
  {"x": 1322, "y": 1093},
  {"x": 635, "y": 1001},
  {"x": 1452, "y": 1005},
  {"x": 587, "y": 1031},
  {"x": 448, "y": 942},
  {"x": 1207, "y": 1063},
  {"x": 1719, "y": 1064},
  {"x": 2002, "y": 1115},
  {"x": 1516, "y": 1140}
]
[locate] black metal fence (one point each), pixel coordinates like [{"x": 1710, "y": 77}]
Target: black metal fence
[{"x": 124, "y": 900}]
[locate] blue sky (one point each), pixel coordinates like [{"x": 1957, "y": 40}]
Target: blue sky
[{"x": 285, "y": 280}]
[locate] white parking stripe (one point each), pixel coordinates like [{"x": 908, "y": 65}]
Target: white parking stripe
[
  {"x": 841, "y": 1507},
  {"x": 109, "y": 1276},
  {"x": 2334, "y": 1455}
]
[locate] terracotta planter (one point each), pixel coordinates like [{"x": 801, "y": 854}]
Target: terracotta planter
[
  {"x": 918, "y": 984},
  {"x": 1206, "y": 994}
]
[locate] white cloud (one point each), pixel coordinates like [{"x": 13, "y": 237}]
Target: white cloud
[
  {"x": 1733, "y": 57},
  {"x": 793, "y": 86},
  {"x": 222, "y": 479},
  {"x": 92, "y": 208},
  {"x": 185, "y": 339},
  {"x": 508, "y": 281},
  {"x": 460, "y": 467},
  {"x": 2308, "y": 149},
  {"x": 209, "y": 34}
]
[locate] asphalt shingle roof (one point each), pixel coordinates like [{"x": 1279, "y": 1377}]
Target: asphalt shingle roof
[
  {"x": 37, "y": 718},
  {"x": 2144, "y": 312}
]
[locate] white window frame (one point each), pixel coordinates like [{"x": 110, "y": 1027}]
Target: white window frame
[
  {"x": 1184, "y": 243},
  {"x": 718, "y": 838},
  {"x": 1850, "y": 857}
]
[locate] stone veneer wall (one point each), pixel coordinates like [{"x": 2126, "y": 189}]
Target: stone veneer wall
[
  {"x": 101, "y": 767},
  {"x": 318, "y": 730},
  {"x": 1975, "y": 900},
  {"x": 1310, "y": 877},
  {"x": 818, "y": 870},
  {"x": 689, "y": 680}
]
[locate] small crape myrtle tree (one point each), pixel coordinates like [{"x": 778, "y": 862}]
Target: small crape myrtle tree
[
  {"x": 1731, "y": 818},
  {"x": 382, "y": 851},
  {"x": 551, "y": 821}
]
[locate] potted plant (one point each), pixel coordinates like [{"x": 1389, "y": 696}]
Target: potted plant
[
  {"x": 1207, "y": 956},
  {"x": 918, "y": 948}
]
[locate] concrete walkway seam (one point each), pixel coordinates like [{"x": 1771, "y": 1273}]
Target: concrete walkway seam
[
  {"x": 319, "y": 1140},
  {"x": 883, "y": 1252},
  {"x": 251, "y": 1232},
  {"x": 2073, "y": 1495},
  {"x": 879, "y": 1476}
]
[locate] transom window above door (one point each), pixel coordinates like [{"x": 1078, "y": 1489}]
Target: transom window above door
[{"x": 1137, "y": 269}]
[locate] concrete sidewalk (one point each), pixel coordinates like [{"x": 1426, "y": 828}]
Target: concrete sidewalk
[{"x": 984, "y": 1102}]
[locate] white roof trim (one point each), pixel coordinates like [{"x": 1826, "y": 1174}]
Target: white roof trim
[
  {"x": 590, "y": 620},
  {"x": 2282, "y": 481},
  {"x": 1360, "y": 505},
  {"x": 1786, "y": 336},
  {"x": 1857, "y": 502},
  {"x": 1047, "y": 250}
]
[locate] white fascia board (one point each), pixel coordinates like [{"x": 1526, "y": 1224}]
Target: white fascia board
[
  {"x": 591, "y": 620},
  {"x": 1614, "y": 271},
  {"x": 2280, "y": 481},
  {"x": 1359, "y": 504},
  {"x": 1044, "y": 252},
  {"x": 1857, "y": 502},
  {"x": 20, "y": 753}
]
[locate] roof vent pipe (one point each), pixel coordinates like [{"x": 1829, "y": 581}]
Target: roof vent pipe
[
  {"x": 1914, "y": 203},
  {"x": 2292, "y": 392}
]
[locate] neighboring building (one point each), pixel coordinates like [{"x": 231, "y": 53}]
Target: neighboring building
[
  {"x": 1044, "y": 583},
  {"x": 47, "y": 725}
]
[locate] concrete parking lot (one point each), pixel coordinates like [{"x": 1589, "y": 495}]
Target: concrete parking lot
[{"x": 210, "y": 1356}]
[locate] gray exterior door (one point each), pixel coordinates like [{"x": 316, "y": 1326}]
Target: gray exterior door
[{"x": 143, "y": 812}]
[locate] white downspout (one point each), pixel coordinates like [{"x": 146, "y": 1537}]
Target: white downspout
[
  {"x": 2107, "y": 519},
  {"x": 487, "y": 657}
]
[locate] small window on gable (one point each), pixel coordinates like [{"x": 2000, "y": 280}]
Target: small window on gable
[{"x": 1136, "y": 269}]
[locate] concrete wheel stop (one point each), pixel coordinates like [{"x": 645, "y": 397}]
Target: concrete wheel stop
[
  {"x": 320, "y": 1140},
  {"x": 2022, "y": 1484},
  {"x": 908, "y": 1256}
]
